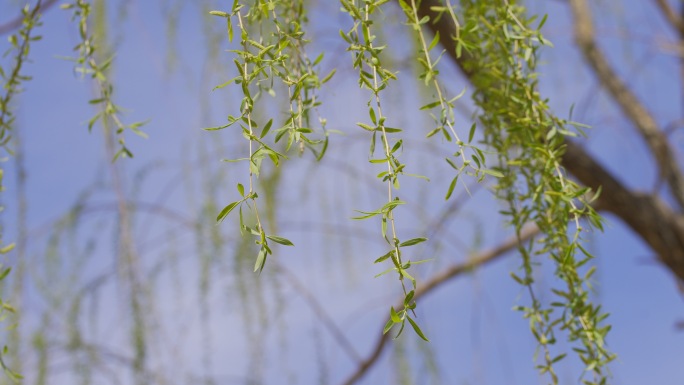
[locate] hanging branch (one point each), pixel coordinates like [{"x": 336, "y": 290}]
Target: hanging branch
[
  {"x": 12, "y": 80},
  {"x": 497, "y": 47},
  {"x": 90, "y": 62},
  {"x": 664, "y": 229},
  {"x": 376, "y": 78},
  {"x": 446, "y": 275},
  {"x": 260, "y": 61}
]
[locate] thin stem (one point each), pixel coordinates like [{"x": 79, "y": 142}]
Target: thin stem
[{"x": 439, "y": 279}]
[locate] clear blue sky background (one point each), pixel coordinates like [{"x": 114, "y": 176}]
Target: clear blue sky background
[{"x": 260, "y": 329}]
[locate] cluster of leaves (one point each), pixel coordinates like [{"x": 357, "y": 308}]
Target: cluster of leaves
[
  {"x": 445, "y": 121},
  {"x": 20, "y": 44},
  {"x": 373, "y": 76},
  {"x": 529, "y": 141},
  {"x": 90, "y": 63},
  {"x": 277, "y": 53}
]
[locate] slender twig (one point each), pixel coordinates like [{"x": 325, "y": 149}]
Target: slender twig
[
  {"x": 320, "y": 312},
  {"x": 671, "y": 15},
  {"x": 627, "y": 101},
  {"x": 17, "y": 21},
  {"x": 436, "y": 281}
]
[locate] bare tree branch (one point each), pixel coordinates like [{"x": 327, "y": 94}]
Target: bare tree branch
[
  {"x": 15, "y": 23},
  {"x": 627, "y": 101},
  {"x": 320, "y": 312},
  {"x": 657, "y": 224},
  {"x": 671, "y": 16},
  {"x": 647, "y": 215},
  {"x": 436, "y": 281}
]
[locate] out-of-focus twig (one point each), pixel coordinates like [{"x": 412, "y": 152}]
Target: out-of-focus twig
[
  {"x": 671, "y": 15},
  {"x": 629, "y": 104},
  {"x": 17, "y": 21},
  {"x": 436, "y": 281}
]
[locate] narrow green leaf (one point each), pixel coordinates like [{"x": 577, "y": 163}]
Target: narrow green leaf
[
  {"x": 226, "y": 210},
  {"x": 493, "y": 173},
  {"x": 391, "y": 130},
  {"x": 328, "y": 76},
  {"x": 384, "y": 257},
  {"x": 409, "y": 298},
  {"x": 430, "y": 105},
  {"x": 412, "y": 242},
  {"x": 7, "y": 248},
  {"x": 434, "y": 42},
  {"x": 388, "y": 326},
  {"x": 371, "y": 113},
  {"x": 433, "y": 132},
  {"x": 365, "y": 126},
  {"x": 366, "y": 214},
  {"x": 417, "y": 329},
  {"x": 451, "y": 163},
  {"x": 451, "y": 188},
  {"x": 217, "y": 127},
  {"x": 391, "y": 205},
  {"x": 345, "y": 37},
  {"x": 261, "y": 260},
  {"x": 267, "y": 127},
  {"x": 471, "y": 133},
  {"x": 226, "y": 83},
  {"x": 560, "y": 356},
  {"x": 383, "y": 160},
  {"x": 4, "y": 273},
  {"x": 394, "y": 316},
  {"x": 384, "y": 272},
  {"x": 281, "y": 240}
]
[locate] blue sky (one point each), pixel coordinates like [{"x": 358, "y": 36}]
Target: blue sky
[{"x": 260, "y": 329}]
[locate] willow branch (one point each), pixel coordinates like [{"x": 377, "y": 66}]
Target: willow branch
[
  {"x": 433, "y": 283},
  {"x": 629, "y": 104},
  {"x": 648, "y": 216}
]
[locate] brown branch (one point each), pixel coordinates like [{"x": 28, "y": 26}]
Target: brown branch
[
  {"x": 320, "y": 312},
  {"x": 436, "y": 281},
  {"x": 671, "y": 15},
  {"x": 627, "y": 101},
  {"x": 15, "y": 23},
  {"x": 648, "y": 216}
]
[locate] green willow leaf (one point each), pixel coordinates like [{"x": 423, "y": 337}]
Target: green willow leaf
[
  {"x": 394, "y": 316},
  {"x": 417, "y": 329},
  {"x": 384, "y": 257},
  {"x": 412, "y": 242},
  {"x": 451, "y": 188},
  {"x": 431, "y": 105},
  {"x": 226, "y": 210},
  {"x": 496, "y": 174},
  {"x": 261, "y": 260},
  {"x": 388, "y": 326},
  {"x": 281, "y": 240}
]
